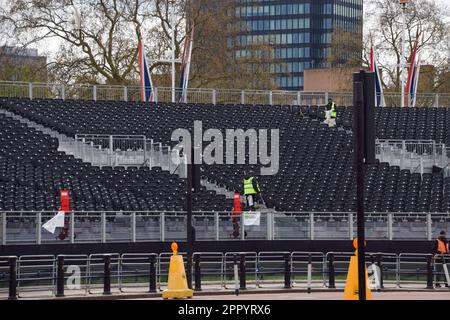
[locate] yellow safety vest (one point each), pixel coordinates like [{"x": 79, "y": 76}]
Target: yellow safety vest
[
  {"x": 248, "y": 186},
  {"x": 333, "y": 110}
]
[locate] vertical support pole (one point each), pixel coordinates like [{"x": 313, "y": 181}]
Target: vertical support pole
[
  {"x": 351, "y": 229},
  {"x": 94, "y": 93},
  {"x": 192, "y": 177},
  {"x": 216, "y": 225},
  {"x": 162, "y": 223},
  {"x": 436, "y": 100},
  {"x": 429, "y": 222},
  {"x": 269, "y": 217},
  {"x": 429, "y": 271},
  {"x": 299, "y": 98},
  {"x": 309, "y": 275},
  {"x": 152, "y": 274},
  {"x": 63, "y": 92},
  {"x": 242, "y": 97},
  {"x": 242, "y": 226},
  {"x": 272, "y": 226},
  {"x": 214, "y": 96},
  {"x": 242, "y": 271},
  {"x": 359, "y": 147},
  {"x": 311, "y": 226},
  {"x": 287, "y": 271},
  {"x": 12, "y": 295},
  {"x": 326, "y": 97},
  {"x": 236, "y": 276},
  {"x": 4, "y": 221},
  {"x": 72, "y": 227},
  {"x": 197, "y": 273},
  {"x": 271, "y": 97},
  {"x": 331, "y": 275},
  {"x": 60, "y": 276},
  {"x": 133, "y": 226},
  {"x": 403, "y": 63},
  {"x": 390, "y": 221},
  {"x": 125, "y": 93},
  {"x": 103, "y": 228},
  {"x": 156, "y": 94},
  {"x": 172, "y": 27},
  {"x": 38, "y": 227},
  {"x": 107, "y": 275},
  {"x": 30, "y": 91}
]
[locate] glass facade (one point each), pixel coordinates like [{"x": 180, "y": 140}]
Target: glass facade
[{"x": 300, "y": 32}]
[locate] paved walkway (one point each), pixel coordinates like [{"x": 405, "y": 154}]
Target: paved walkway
[{"x": 325, "y": 296}]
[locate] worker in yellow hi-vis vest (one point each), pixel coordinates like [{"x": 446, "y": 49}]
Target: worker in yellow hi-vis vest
[
  {"x": 251, "y": 191},
  {"x": 330, "y": 113}
]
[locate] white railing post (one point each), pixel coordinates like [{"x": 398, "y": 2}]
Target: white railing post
[
  {"x": 269, "y": 217},
  {"x": 429, "y": 235},
  {"x": 326, "y": 97},
  {"x": 271, "y": 97},
  {"x": 63, "y": 92},
  {"x": 311, "y": 226},
  {"x": 216, "y": 225},
  {"x": 242, "y": 226},
  {"x": 103, "y": 228},
  {"x": 38, "y": 228},
  {"x": 214, "y": 96},
  {"x": 390, "y": 221},
  {"x": 242, "y": 97},
  {"x": 299, "y": 98},
  {"x": 94, "y": 92},
  {"x": 72, "y": 227},
  {"x": 30, "y": 91},
  {"x": 3, "y": 228},
  {"x": 111, "y": 147},
  {"x": 125, "y": 93},
  {"x": 162, "y": 223},
  {"x": 350, "y": 226},
  {"x": 436, "y": 100},
  {"x": 133, "y": 227},
  {"x": 156, "y": 94}
]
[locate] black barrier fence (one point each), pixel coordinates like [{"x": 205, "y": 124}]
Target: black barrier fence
[{"x": 69, "y": 275}]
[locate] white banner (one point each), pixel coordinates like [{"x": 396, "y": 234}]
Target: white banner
[
  {"x": 55, "y": 222},
  {"x": 252, "y": 218}
]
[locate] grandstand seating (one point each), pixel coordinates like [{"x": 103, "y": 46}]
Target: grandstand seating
[
  {"x": 315, "y": 174},
  {"x": 32, "y": 171}
]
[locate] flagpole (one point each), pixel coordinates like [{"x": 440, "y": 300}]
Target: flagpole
[
  {"x": 403, "y": 61},
  {"x": 173, "y": 51}
]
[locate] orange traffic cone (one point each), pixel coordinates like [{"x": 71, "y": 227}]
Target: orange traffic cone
[
  {"x": 351, "y": 291},
  {"x": 177, "y": 287}
]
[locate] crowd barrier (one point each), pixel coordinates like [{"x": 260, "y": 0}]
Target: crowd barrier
[{"x": 104, "y": 274}]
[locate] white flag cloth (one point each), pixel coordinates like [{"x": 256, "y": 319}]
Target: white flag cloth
[
  {"x": 55, "y": 222},
  {"x": 252, "y": 218}
]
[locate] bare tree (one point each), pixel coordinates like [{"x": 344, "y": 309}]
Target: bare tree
[
  {"x": 218, "y": 59},
  {"x": 423, "y": 19},
  {"x": 345, "y": 50},
  {"x": 98, "y": 38}
]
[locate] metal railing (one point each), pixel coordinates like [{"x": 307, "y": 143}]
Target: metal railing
[
  {"x": 70, "y": 275},
  {"x": 106, "y": 227},
  {"x": 124, "y": 150},
  {"x": 415, "y": 155},
  {"x": 198, "y": 95}
]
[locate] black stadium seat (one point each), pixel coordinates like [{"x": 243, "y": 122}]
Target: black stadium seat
[{"x": 315, "y": 172}]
